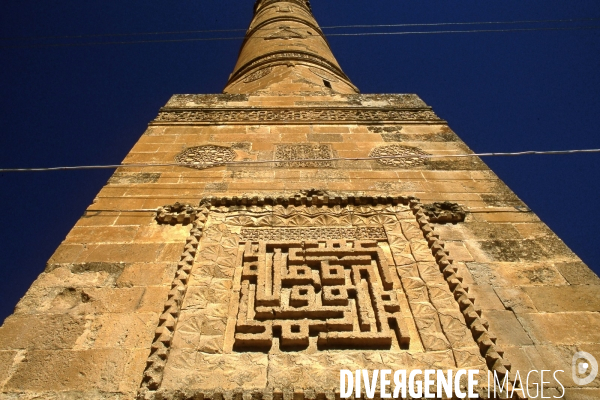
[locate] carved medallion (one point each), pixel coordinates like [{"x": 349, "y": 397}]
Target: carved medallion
[
  {"x": 323, "y": 74},
  {"x": 261, "y": 73},
  {"x": 405, "y": 153},
  {"x": 299, "y": 152},
  {"x": 444, "y": 212},
  {"x": 202, "y": 157}
]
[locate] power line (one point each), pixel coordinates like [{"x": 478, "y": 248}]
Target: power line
[
  {"x": 466, "y": 23},
  {"x": 330, "y": 35},
  {"x": 33, "y": 38},
  {"x": 208, "y": 165},
  {"x": 465, "y": 31}
]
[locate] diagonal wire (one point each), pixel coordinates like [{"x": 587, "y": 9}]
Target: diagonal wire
[
  {"x": 329, "y": 35},
  {"x": 33, "y": 38},
  {"x": 207, "y": 165}
]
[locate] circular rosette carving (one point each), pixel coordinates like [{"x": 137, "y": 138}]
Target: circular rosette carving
[
  {"x": 398, "y": 150},
  {"x": 261, "y": 73},
  {"x": 202, "y": 157}
]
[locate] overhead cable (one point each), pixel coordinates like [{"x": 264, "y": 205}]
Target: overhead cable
[
  {"x": 547, "y": 21},
  {"x": 208, "y": 165},
  {"x": 329, "y": 35},
  {"x": 363, "y": 26}
]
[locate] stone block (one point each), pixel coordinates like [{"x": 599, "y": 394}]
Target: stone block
[
  {"x": 57, "y": 300},
  {"x": 577, "y": 273},
  {"x": 41, "y": 332},
  {"x": 134, "y": 370},
  {"x": 153, "y": 299},
  {"x": 64, "y": 395},
  {"x": 506, "y": 328},
  {"x": 582, "y": 394},
  {"x": 526, "y": 250},
  {"x": 515, "y": 299},
  {"x": 171, "y": 252},
  {"x": 485, "y": 298},
  {"x": 571, "y": 328},
  {"x": 66, "y": 253},
  {"x": 147, "y": 274},
  {"x": 6, "y": 363},
  {"x": 216, "y": 372},
  {"x": 523, "y": 358},
  {"x": 128, "y": 253},
  {"x": 119, "y": 331},
  {"x": 98, "y": 219},
  {"x": 113, "y": 300},
  {"x": 464, "y": 273},
  {"x": 64, "y": 370},
  {"x": 458, "y": 252},
  {"x": 515, "y": 274},
  {"x": 163, "y": 233},
  {"x": 556, "y": 249},
  {"x": 506, "y": 217},
  {"x": 102, "y": 234},
  {"x": 565, "y": 298},
  {"x": 324, "y": 137},
  {"x": 79, "y": 275},
  {"x": 530, "y": 230}
]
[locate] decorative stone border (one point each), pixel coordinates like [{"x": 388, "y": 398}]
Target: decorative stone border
[
  {"x": 296, "y": 115},
  {"x": 160, "y": 348},
  {"x": 479, "y": 326},
  {"x": 168, "y": 320}
]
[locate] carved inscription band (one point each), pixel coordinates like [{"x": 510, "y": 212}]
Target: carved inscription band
[
  {"x": 358, "y": 233},
  {"x": 294, "y": 115}
]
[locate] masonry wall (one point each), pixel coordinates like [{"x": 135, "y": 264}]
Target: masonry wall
[{"x": 86, "y": 326}]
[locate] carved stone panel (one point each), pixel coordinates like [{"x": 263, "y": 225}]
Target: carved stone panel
[
  {"x": 307, "y": 115},
  {"x": 340, "y": 292},
  {"x": 202, "y": 157},
  {"x": 302, "y": 287},
  {"x": 324, "y": 74},
  {"x": 404, "y": 154},
  {"x": 285, "y": 33},
  {"x": 292, "y": 152},
  {"x": 261, "y": 73},
  {"x": 309, "y": 233}
]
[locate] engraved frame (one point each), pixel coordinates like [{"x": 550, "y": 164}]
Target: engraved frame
[{"x": 429, "y": 276}]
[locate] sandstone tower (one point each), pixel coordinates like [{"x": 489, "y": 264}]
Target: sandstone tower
[{"x": 274, "y": 244}]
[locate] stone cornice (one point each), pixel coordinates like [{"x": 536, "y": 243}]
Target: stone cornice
[
  {"x": 296, "y": 115},
  {"x": 265, "y": 3},
  {"x": 285, "y": 56},
  {"x": 283, "y": 19}
]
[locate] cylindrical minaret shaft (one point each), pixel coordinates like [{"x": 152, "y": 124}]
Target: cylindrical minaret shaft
[{"x": 286, "y": 51}]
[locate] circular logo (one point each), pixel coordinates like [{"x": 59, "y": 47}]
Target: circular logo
[{"x": 584, "y": 363}]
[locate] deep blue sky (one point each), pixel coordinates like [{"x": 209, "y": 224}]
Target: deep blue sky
[{"x": 89, "y": 104}]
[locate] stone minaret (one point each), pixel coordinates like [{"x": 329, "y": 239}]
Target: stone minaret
[
  {"x": 285, "y": 43},
  {"x": 293, "y": 228}
]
